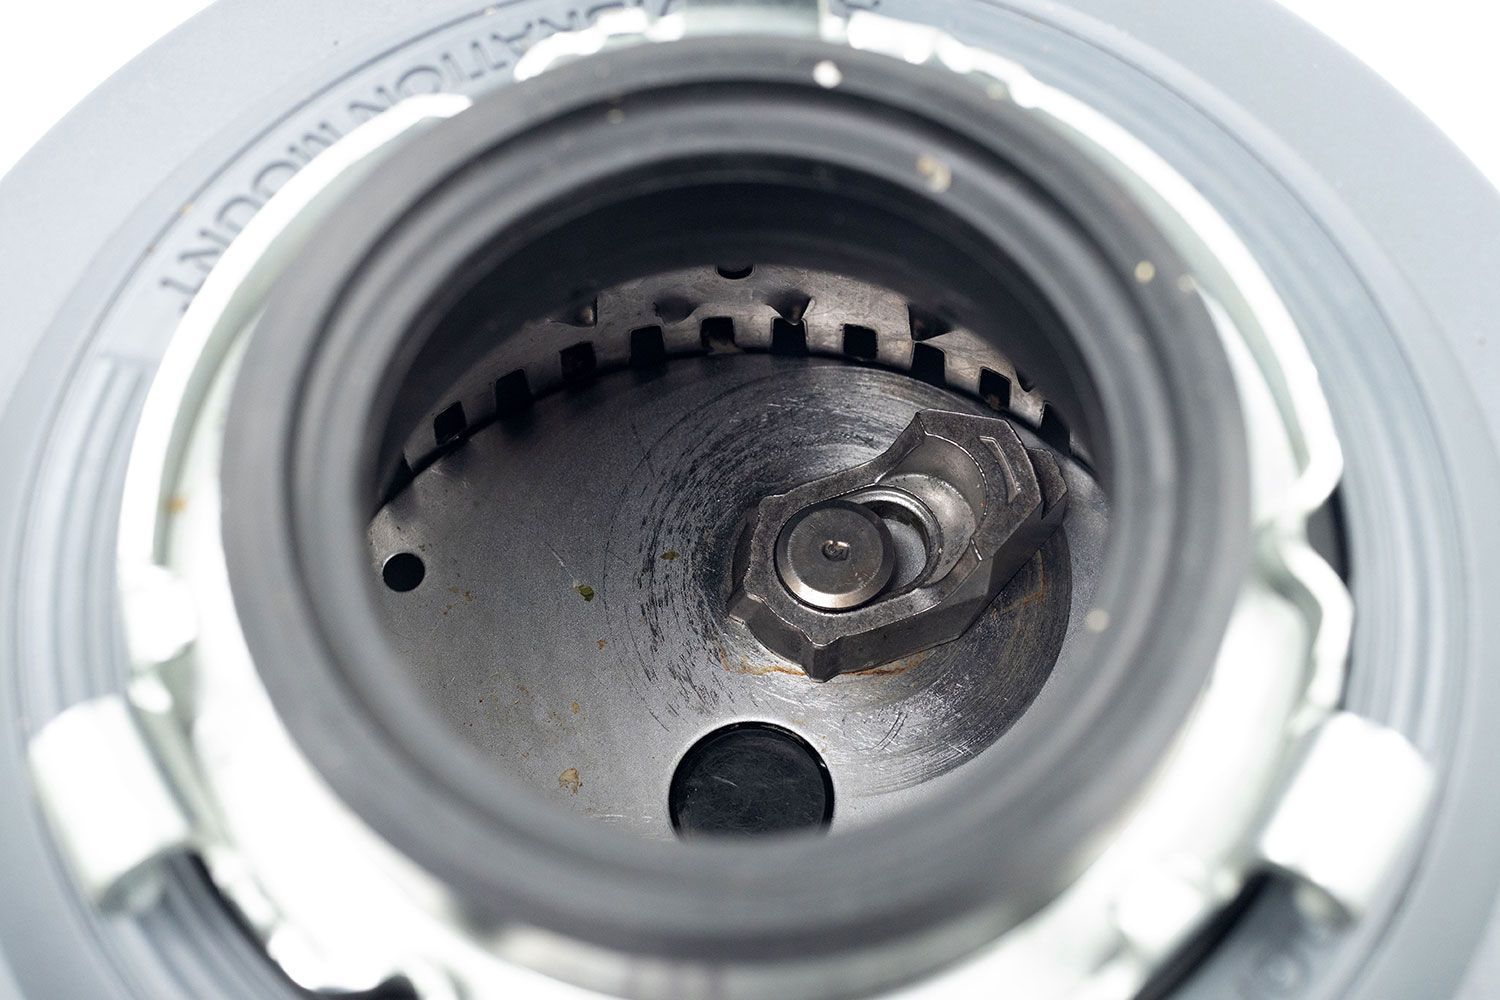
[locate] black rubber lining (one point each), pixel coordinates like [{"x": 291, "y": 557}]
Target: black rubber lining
[{"x": 352, "y": 337}]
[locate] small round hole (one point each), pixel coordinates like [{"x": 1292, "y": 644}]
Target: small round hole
[
  {"x": 750, "y": 778},
  {"x": 734, "y": 272},
  {"x": 403, "y": 571}
]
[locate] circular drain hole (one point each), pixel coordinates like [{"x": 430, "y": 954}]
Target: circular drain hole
[
  {"x": 735, "y": 271},
  {"x": 403, "y": 571},
  {"x": 750, "y": 778}
]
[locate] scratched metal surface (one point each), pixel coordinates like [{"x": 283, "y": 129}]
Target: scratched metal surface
[{"x": 572, "y": 621}]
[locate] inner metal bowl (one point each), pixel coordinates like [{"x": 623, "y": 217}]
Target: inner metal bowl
[{"x": 576, "y": 629}]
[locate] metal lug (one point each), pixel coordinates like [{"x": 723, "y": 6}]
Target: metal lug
[{"x": 901, "y": 553}]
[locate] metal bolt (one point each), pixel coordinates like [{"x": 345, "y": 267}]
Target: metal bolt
[
  {"x": 835, "y": 555},
  {"x": 817, "y": 575}
]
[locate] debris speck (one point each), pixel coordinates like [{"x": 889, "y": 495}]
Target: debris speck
[
  {"x": 670, "y": 554},
  {"x": 614, "y": 116},
  {"x": 584, "y": 591},
  {"x": 1097, "y": 620},
  {"x": 937, "y": 173},
  {"x": 1145, "y": 272},
  {"x": 601, "y": 644},
  {"x": 570, "y": 780},
  {"x": 574, "y": 707},
  {"x": 827, "y": 74}
]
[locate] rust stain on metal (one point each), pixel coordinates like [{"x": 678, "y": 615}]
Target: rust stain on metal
[
  {"x": 744, "y": 666},
  {"x": 894, "y": 667},
  {"x": 762, "y": 669},
  {"x": 1036, "y": 594}
]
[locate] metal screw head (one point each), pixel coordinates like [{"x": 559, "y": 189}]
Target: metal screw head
[
  {"x": 993, "y": 501},
  {"x": 835, "y": 555}
]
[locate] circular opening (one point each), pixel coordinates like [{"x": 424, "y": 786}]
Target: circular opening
[
  {"x": 750, "y": 779},
  {"x": 484, "y": 371},
  {"x": 403, "y": 572},
  {"x": 649, "y": 395}
]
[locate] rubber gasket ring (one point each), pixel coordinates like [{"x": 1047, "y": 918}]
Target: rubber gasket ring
[{"x": 298, "y": 471}]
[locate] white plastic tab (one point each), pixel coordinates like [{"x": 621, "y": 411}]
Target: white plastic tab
[
  {"x": 1350, "y": 810},
  {"x": 108, "y": 801}
]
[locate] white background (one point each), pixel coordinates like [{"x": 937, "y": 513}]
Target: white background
[{"x": 1440, "y": 53}]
